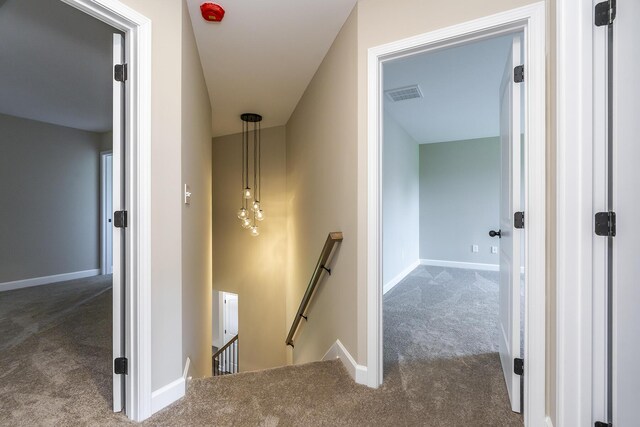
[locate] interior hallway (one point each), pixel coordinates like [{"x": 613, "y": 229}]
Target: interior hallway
[{"x": 61, "y": 374}]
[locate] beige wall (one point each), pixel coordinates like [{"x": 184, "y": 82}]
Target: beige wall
[
  {"x": 252, "y": 267},
  {"x": 196, "y": 217},
  {"x": 167, "y": 150},
  {"x": 321, "y": 198}
]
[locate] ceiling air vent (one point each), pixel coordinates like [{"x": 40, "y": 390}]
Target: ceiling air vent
[{"x": 404, "y": 93}]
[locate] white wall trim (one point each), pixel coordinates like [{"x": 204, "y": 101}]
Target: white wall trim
[
  {"x": 168, "y": 394},
  {"x": 404, "y": 273},
  {"x": 531, "y": 20},
  {"x": 137, "y": 29},
  {"x": 338, "y": 351},
  {"x": 460, "y": 264},
  {"x": 47, "y": 280}
]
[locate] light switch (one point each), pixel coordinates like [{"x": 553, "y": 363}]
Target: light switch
[
  {"x": 474, "y": 248},
  {"x": 187, "y": 195},
  {"x": 494, "y": 249}
]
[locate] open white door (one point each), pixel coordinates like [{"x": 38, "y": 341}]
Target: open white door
[
  {"x": 118, "y": 233},
  {"x": 625, "y": 175},
  {"x": 510, "y": 237},
  {"x": 230, "y": 316}
]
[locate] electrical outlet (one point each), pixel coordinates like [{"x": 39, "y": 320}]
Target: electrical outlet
[
  {"x": 494, "y": 249},
  {"x": 474, "y": 248}
]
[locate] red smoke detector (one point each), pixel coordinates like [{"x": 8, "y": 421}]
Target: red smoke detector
[{"x": 212, "y": 12}]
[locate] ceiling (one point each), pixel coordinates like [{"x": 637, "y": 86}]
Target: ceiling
[
  {"x": 56, "y": 65},
  {"x": 262, "y": 56},
  {"x": 460, "y": 91}
]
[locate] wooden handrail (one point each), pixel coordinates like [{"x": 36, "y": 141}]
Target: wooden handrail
[
  {"x": 224, "y": 347},
  {"x": 332, "y": 239},
  {"x": 231, "y": 358}
]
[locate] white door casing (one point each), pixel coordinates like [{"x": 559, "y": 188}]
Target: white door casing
[
  {"x": 531, "y": 20},
  {"x": 118, "y": 234},
  {"x": 626, "y": 204},
  {"x": 138, "y": 41},
  {"x": 510, "y": 241}
]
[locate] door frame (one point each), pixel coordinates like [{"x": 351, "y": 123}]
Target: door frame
[
  {"x": 137, "y": 30},
  {"x": 531, "y": 20},
  {"x": 103, "y": 211},
  {"x": 581, "y": 141}
]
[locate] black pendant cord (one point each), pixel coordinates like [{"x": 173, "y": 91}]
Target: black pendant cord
[
  {"x": 255, "y": 162},
  {"x": 259, "y": 186},
  {"x": 243, "y": 184}
]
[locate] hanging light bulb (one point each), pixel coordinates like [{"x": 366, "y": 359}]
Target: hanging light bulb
[
  {"x": 254, "y": 231},
  {"x": 247, "y": 193},
  {"x": 246, "y": 223},
  {"x": 260, "y": 215},
  {"x": 256, "y": 206},
  {"x": 242, "y": 213}
]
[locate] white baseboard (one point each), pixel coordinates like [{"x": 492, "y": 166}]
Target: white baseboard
[
  {"x": 458, "y": 264},
  {"x": 404, "y": 273},
  {"x": 168, "y": 394},
  {"x": 357, "y": 372},
  {"x": 46, "y": 280}
]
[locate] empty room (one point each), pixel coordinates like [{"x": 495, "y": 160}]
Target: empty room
[
  {"x": 56, "y": 222},
  {"x": 449, "y": 247}
]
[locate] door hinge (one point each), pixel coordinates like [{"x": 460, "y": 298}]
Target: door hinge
[
  {"x": 120, "y": 219},
  {"x": 518, "y": 220},
  {"x": 121, "y": 366},
  {"x": 605, "y": 13},
  {"x": 120, "y": 72},
  {"x": 602, "y": 424},
  {"x": 518, "y": 74},
  {"x": 606, "y": 224},
  {"x": 518, "y": 366}
]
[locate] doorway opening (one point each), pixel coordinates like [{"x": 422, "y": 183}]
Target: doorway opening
[
  {"x": 450, "y": 182},
  {"x": 61, "y": 44},
  {"x": 225, "y": 340},
  {"x": 525, "y": 25},
  {"x": 57, "y": 118}
]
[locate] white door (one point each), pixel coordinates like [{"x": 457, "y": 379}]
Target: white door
[
  {"x": 510, "y": 237},
  {"x": 118, "y": 234},
  {"x": 626, "y": 204},
  {"x": 230, "y": 316}
]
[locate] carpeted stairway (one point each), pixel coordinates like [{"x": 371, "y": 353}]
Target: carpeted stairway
[{"x": 61, "y": 375}]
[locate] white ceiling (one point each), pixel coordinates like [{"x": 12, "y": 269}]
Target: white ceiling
[
  {"x": 459, "y": 87},
  {"x": 262, "y": 56},
  {"x": 56, "y": 64}
]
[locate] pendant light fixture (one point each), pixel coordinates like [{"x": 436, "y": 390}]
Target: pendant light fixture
[{"x": 251, "y": 210}]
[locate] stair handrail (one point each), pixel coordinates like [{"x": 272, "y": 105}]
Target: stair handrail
[
  {"x": 234, "y": 353},
  {"x": 321, "y": 267}
]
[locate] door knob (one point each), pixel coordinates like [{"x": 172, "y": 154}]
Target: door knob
[{"x": 495, "y": 233}]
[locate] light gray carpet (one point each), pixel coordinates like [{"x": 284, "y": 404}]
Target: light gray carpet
[
  {"x": 61, "y": 373},
  {"x": 24, "y": 312},
  {"x": 61, "y": 376}
]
